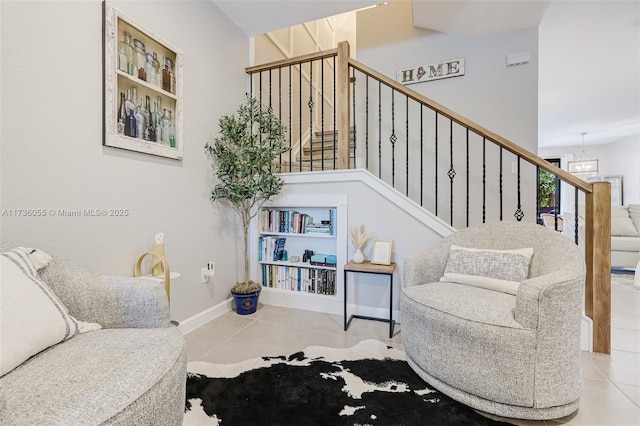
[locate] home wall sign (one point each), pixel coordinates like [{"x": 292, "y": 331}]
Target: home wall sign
[{"x": 437, "y": 71}]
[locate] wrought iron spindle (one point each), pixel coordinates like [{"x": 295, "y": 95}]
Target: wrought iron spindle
[
  {"x": 538, "y": 198},
  {"x": 421, "y": 155},
  {"x": 290, "y": 120},
  {"x": 519, "y": 214},
  {"x": 393, "y": 138},
  {"x": 322, "y": 112},
  {"x": 280, "y": 105},
  {"x": 556, "y": 204},
  {"x": 575, "y": 214},
  {"x": 300, "y": 116},
  {"x": 379, "y": 130},
  {"x": 452, "y": 172},
  {"x": 366, "y": 127},
  {"x": 436, "y": 166},
  {"x": 270, "y": 109},
  {"x": 407, "y": 143},
  {"x": 500, "y": 184},
  {"x": 335, "y": 133},
  {"x": 467, "y": 165},
  {"x": 310, "y": 105},
  {"x": 353, "y": 79},
  {"x": 484, "y": 179}
]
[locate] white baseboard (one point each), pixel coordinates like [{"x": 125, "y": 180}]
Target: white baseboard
[
  {"x": 586, "y": 334},
  {"x": 205, "y": 316}
]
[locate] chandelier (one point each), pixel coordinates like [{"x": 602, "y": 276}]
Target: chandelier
[{"x": 583, "y": 164}]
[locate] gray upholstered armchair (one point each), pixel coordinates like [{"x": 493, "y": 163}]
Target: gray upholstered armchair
[{"x": 513, "y": 355}]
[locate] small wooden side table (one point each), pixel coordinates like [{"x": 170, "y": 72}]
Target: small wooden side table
[{"x": 370, "y": 268}]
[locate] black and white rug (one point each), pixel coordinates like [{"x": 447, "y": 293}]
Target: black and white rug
[{"x": 368, "y": 384}]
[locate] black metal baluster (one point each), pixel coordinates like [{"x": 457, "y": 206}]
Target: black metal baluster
[
  {"x": 407, "y": 151},
  {"x": 519, "y": 214},
  {"x": 379, "y": 130},
  {"x": 353, "y": 79},
  {"x": 310, "y": 105},
  {"x": 467, "y": 177},
  {"x": 484, "y": 179},
  {"x": 290, "y": 120},
  {"x": 300, "y": 116},
  {"x": 575, "y": 214},
  {"x": 260, "y": 90},
  {"x": 500, "y": 184},
  {"x": 366, "y": 129},
  {"x": 393, "y": 138},
  {"x": 335, "y": 132},
  {"x": 538, "y": 217},
  {"x": 452, "y": 171},
  {"x": 421, "y": 155},
  {"x": 436, "y": 167},
  {"x": 270, "y": 109},
  {"x": 280, "y": 103},
  {"x": 322, "y": 111},
  {"x": 556, "y": 204},
  {"x": 251, "y": 84}
]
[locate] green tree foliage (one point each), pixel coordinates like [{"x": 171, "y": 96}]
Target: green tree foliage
[{"x": 243, "y": 157}]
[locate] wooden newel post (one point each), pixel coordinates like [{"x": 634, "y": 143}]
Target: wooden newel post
[
  {"x": 598, "y": 260},
  {"x": 342, "y": 108}
]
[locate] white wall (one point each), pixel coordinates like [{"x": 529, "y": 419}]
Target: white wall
[
  {"x": 504, "y": 100},
  {"x": 617, "y": 158},
  {"x": 53, "y": 158}
]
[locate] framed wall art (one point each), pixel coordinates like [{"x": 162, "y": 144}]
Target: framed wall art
[{"x": 142, "y": 88}]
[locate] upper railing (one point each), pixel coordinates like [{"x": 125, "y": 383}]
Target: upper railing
[{"x": 354, "y": 116}]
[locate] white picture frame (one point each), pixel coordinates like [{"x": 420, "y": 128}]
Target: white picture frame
[
  {"x": 116, "y": 81},
  {"x": 381, "y": 252}
]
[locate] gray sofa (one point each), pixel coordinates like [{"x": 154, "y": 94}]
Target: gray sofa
[
  {"x": 132, "y": 371},
  {"x": 510, "y": 355}
]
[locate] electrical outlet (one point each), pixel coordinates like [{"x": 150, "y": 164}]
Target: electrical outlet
[{"x": 207, "y": 273}]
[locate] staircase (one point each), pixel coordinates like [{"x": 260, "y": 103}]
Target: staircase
[
  {"x": 459, "y": 171},
  {"x": 321, "y": 153}
]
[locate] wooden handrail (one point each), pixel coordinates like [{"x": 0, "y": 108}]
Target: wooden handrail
[
  {"x": 296, "y": 60},
  {"x": 475, "y": 127}
]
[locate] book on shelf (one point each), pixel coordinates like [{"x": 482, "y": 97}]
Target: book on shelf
[
  {"x": 294, "y": 222},
  {"x": 299, "y": 279}
]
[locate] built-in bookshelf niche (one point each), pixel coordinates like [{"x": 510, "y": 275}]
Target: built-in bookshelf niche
[{"x": 300, "y": 251}]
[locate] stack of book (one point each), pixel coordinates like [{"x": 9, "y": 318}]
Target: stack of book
[
  {"x": 271, "y": 248},
  {"x": 304, "y": 280}
]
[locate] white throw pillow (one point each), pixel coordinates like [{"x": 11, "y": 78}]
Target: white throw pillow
[
  {"x": 31, "y": 315},
  {"x": 621, "y": 223},
  {"x": 497, "y": 270}
]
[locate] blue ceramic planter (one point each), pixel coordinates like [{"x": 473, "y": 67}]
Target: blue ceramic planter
[{"x": 246, "y": 303}]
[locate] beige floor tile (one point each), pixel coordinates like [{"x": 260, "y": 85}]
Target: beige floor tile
[
  {"x": 619, "y": 367},
  {"x": 262, "y": 338},
  {"x": 323, "y": 338},
  {"x": 625, "y": 340},
  {"x": 519, "y": 422},
  {"x": 603, "y": 404},
  {"x": 221, "y": 328},
  {"x": 633, "y": 392},
  {"x": 295, "y": 318},
  {"x": 328, "y": 322},
  {"x": 197, "y": 348},
  {"x": 374, "y": 329},
  {"x": 589, "y": 370}
]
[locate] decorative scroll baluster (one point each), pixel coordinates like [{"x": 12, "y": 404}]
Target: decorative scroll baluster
[
  {"x": 452, "y": 172},
  {"x": 519, "y": 214},
  {"x": 366, "y": 128},
  {"x": 467, "y": 177},
  {"x": 407, "y": 143},
  {"x": 484, "y": 179},
  {"x": 310, "y": 105},
  {"x": 575, "y": 214},
  {"x": 322, "y": 112},
  {"x": 290, "y": 120},
  {"x": 393, "y": 138},
  {"x": 300, "y": 115}
]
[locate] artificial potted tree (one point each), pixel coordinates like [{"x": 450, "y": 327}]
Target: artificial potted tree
[{"x": 243, "y": 159}]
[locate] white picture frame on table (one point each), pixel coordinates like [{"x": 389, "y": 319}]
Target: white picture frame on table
[{"x": 381, "y": 252}]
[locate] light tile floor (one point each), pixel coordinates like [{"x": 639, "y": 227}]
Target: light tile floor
[{"x": 611, "y": 382}]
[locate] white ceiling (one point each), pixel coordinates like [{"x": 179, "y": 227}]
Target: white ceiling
[{"x": 589, "y": 52}]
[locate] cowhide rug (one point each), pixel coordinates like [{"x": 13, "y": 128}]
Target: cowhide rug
[{"x": 368, "y": 384}]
